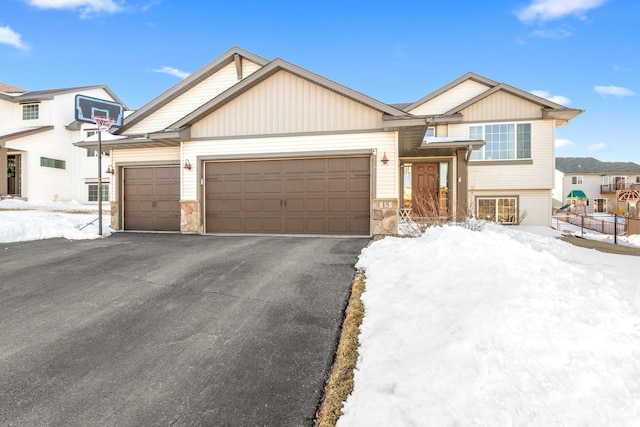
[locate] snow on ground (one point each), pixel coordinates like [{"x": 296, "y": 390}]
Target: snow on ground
[
  {"x": 21, "y": 221},
  {"x": 496, "y": 327}
]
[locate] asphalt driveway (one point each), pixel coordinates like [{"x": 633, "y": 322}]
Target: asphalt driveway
[{"x": 169, "y": 329}]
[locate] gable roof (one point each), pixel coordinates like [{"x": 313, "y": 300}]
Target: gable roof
[
  {"x": 41, "y": 95},
  {"x": 272, "y": 68},
  {"x": 589, "y": 165},
  {"x": 468, "y": 76},
  {"x": 187, "y": 83},
  {"x": 549, "y": 109},
  {"x": 6, "y": 88}
]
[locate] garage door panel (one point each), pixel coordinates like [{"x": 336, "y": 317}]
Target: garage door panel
[
  {"x": 358, "y": 205},
  {"x": 315, "y": 185},
  {"x": 359, "y": 185},
  {"x": 315, "y": 205},
  {"x": 252, "y": 186},
  {"x": 152, "y": 198},
  {"x": 253, "y": 205},
  {"x": 340, "y": 185},
  {"x": 272, "y": 205},
  {"x": 300, "y": 196},
  {"x": 294, "y": 185},
  {"x": 317, "y": 166},
  {"x": 359, "y": 164},
  {"x": 145, "y": 190},
  {"x": 337, "y": 205},
  {"x": 294, "y": 225},
  {"x": 272, "y": 225},
  {"x": 232, "y": 205},
  {"x": 272, "y": 186},
  {"x": 338, "y": 165},
  {"x": 232, "y": 187},
  {"x": 338, "y": 225},
  {"x": 145, "y": 174}
]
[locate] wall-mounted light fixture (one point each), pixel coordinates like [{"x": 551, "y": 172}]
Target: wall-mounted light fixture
[
  {"x": 384, "y": 160},
  {"x": 187, "y": 165},
  {"x": 110, "y": 170}
]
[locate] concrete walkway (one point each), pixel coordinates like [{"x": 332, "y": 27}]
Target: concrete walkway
[{"x": 169, "y": 329}]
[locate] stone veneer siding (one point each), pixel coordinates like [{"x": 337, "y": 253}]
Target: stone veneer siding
[
  {"x": 115, "y": 216},
  {"x": 385, "y": 217},
  {"x": 190, "y": 216}
]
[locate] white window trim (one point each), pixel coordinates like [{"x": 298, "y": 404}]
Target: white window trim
[{"x": 483, "y": 151}]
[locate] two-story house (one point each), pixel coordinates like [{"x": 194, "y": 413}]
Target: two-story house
[
  {"x": 602, "y": 183},
  {"x": 37, "y": 135},
  {"x": 250, "y": 145}
]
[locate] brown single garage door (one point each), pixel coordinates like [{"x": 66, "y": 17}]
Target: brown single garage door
[
  {"x": 289, "y": 196},
  {"x": 152, "y": 198}
]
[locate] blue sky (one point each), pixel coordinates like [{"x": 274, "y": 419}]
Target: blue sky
[{"x": 584, "y": 54}]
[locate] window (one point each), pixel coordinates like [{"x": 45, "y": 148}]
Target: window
[
  {"x": 53, "y": 163},
  {"x": 31, "y": 112},
  {"x": 94, "y": 153},
  {"x": 93, "y": 192},
  {"x": 497, "y": 209},
  {"x": 576, "y": 180},
  {"x": 431, "y": 131},
  {"x": 637, "y": 179},
  {"x": 505, "y": 141}
]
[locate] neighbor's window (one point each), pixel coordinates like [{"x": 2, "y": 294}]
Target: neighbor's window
[
  {"x": 576, "y": 180},
  {"x": 53, "y": 163},
  {"x": 505, "y": 141},
  {"x": 93, "y": 192},
  {"x": 637, "y": 179},
  {"x": 94, "y": 153},
  {"x": 497, "y": 209},
  {"x": 31, "y": 112},
  {"x": 599, "y": 205},
  {"x": 431, "y": 131}
]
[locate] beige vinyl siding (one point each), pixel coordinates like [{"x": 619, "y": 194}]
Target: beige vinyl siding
[
  {"x": 451, "y": 98},
  {"x": 194, "y": 98},
  {"x": 514, "y": 174},
  {"x": 534, "y": 205},
  {"x": 385, "y": 176},
  {"x": 285, "y": 103},
  {"x": 501, "y": 105}
]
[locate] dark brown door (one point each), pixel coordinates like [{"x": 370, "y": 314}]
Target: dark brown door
[
  {"x": 288, "y": 196},
  {"x": 424, "y": 189},
  {"x": 152, "y": 198}
]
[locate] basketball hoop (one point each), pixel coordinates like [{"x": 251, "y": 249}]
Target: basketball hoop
[{"x": 103, "y": 122}]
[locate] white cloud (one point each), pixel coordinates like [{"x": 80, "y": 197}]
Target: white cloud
[
  {"x": 558, "y": 34},
  {"x": 172, "y": 71},
  {"x": 558, "y": 99},
  {"x": 601, "y": 146},
  {"x": 86, "y": 7},
  {"x": 549, "y": 10},
  {"x": 613, "y": 90},
  {"x": 564, "y": 143},
  {"x": 10, "y": 37}
]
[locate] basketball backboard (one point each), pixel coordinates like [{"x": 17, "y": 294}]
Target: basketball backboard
[{"x": 88, "y": 107}]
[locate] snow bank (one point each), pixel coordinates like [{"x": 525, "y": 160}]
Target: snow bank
[{"x": 498, "y": 327}]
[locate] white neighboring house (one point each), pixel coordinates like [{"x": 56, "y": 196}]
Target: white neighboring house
[
  {"x": 601, "y": 182},
  {"x": 250, "y": 145},
  {"x": 37, "y": 133}
]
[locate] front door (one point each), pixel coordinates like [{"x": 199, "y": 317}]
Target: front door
[
  {"x": 13, "y": 175},
  {"x": 424, "y": 194}
]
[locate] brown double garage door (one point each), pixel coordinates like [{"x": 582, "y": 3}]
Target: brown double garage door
[
  {"x": 288, "y": 196},
  {"x": 282, "y": 196}
]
